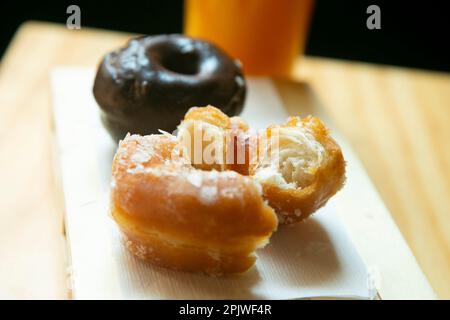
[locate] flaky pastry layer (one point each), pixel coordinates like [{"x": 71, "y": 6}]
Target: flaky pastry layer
[
  {"x": 299, "y": 165},
  {"x": 307, "y": 168}
]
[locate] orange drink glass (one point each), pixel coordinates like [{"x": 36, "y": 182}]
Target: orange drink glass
[{"x": 265, "y": 35}]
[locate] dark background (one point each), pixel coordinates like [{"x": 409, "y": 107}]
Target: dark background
[{"x": 412, "y": 34}]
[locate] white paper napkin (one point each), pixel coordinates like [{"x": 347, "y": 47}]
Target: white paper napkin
[{"x": 312, "y": 259}]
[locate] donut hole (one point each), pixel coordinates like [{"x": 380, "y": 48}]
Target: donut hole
[
  {"x": 292, "y": 160},
  {"x": 186, "y": 63}
]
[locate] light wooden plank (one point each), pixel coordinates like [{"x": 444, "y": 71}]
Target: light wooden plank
[
  {"x": 32, "y": 244},
  {"x": 394, "y": 118}
]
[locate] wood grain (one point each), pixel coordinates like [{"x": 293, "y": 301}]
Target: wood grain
[
  {"x": 397, "y": 121},
  {"x": 32, "y": 245},
  {"x": 394, "y": 118}
]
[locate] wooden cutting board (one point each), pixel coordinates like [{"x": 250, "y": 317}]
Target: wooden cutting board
[
  {"x": 395, "y": 119},
  {"x": 101, "y": 268}
]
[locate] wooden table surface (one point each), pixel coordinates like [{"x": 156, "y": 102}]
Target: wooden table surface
[{"x": 395, "y": 118}]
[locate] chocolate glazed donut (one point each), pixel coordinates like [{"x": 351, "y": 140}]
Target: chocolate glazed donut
[{"x": 154, "y": 80}]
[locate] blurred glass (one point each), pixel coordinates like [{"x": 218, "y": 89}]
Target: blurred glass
[{"x": 265, "y": 35}]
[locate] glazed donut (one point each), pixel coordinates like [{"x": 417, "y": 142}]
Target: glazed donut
[
  {"x": 299, "y": 166},
  {"x": 154, "y": 80},
  {"x": 174, "y": 215}
]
